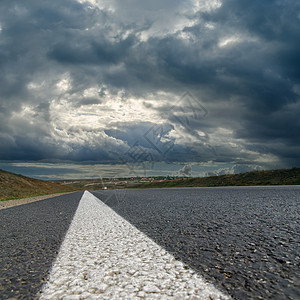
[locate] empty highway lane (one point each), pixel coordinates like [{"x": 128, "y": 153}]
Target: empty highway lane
[
  {"x": 239, "y": 242},
  {"x": 246, "y": 240}
]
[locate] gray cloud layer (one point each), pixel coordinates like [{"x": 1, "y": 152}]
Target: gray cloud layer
[{"x": 63, "y": 60}]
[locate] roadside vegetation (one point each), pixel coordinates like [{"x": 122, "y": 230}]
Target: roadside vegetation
[
  {"x": 272, "y": 177},
  {"x": 13, "y": 186}
]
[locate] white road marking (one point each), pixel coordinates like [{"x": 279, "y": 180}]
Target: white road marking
[{"x": 105, "y": 257}]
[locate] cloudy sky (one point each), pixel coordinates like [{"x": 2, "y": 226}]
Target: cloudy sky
[{"x": 184, "y": 86}]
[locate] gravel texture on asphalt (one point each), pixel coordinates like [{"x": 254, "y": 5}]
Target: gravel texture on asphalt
[
  {"x": 105, "y": 257},
  {"x": 30, "y": 237},
  {"x": 246, "y": 240}
]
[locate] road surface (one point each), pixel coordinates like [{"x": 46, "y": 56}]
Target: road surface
[
  {"x": 236, "y": 241},
  {"x": 30, "y": 237},
  {"x": 244, "y": 239}
]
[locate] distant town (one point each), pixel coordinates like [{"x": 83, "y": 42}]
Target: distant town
[{"x": 113, "y": 183}]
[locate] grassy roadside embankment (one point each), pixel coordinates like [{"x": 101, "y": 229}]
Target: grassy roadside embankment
[{"x": 13, "y": 186}]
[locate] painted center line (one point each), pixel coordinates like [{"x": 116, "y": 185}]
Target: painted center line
[{"x": 104, "y": 257}]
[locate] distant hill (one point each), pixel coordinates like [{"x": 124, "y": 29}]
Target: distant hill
[
  {"x": 272, "y": 177},
  {"x": 13, "y": 186}
]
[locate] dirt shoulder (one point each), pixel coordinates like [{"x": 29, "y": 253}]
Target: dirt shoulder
[{"x": 11, "y": 203}]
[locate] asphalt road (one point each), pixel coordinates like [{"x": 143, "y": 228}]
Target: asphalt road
[
  {"x": 105, "y": 257},
  {"x": 243, "y": 239},
  {"x": 30, "y": 237}
]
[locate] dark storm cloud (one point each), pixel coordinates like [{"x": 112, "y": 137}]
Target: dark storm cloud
[
  {"x": 268, "y": 89},
  {"x": 37, "y": 148},
  {"x": 241, "y": 61},
  {"x": 88, "y": 51}
]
